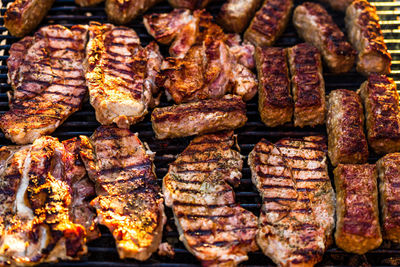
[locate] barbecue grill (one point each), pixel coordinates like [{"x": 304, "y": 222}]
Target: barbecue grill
[{"x": 102, "y": 251}]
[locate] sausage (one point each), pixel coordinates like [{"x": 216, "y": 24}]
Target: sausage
[
  {"x": 345, "y": 127},
  {"x": 357, "y": 228},
  {"x": 316, "y": 26}
]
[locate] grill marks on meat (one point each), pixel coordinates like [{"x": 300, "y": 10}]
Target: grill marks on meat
[
  {"x": 364, "y": 32},
  {"x": 46, "y": 74},
  {"x": 297, "y": 216},
  {"x": 269, "y": 22},
  {"x": 211, "y": 224},
  {"x": 129, "y": 201},
  {"x": 316, "y": 26},
  {"x": 124, "y": 11},
  {"x": 120, "y": 74}
]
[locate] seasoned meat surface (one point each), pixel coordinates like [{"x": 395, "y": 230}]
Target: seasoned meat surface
[
  {"x": 206, "y": 116},
  {"x": 128, "y": 198},
  {"x": 88, "y": 2},
  {"x": 316, "y": 26},
  {"x": 297, "y": 215},
  {"x": 120, "y": 74},
  {"x": 340, "y": 5},
  {"x": 345, "y": 126},
  {"x": 211, "y": 224},
  {"x": 23, "y": 16},
  {"x": 357, "y": 214},
  {"x": 189, "y": 4},
  {"x": 124, "y": 11},
  {"x": 48, "y": 82}
]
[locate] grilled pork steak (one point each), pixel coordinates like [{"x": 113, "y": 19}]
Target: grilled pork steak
[{"x": 123, "y": 12}]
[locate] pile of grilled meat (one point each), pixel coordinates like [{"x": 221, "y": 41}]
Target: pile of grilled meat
[{"x": 53, "y": 193}]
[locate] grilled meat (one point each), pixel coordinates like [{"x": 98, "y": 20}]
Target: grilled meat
[
  {"x": 235, "y": 15},
  {"x": 46, "y": 74},
  {"x": 211, "y": 224},
  {"x": 88, "y": 2},
  {"x": 308, "y": 86},
  {"x": 274, "y": 100},
  {"x": 120, "y": 74},
  {"x": 365, "y": 34},
  {"x": 128, "y": 201},
  {"x": 23, "y": 16},
  {"x": 269, "y": 22},
  {"x": 297, "y": 216},
  {"x": 226, "y": 113},
  {"x": 189, "y": 4},
  {"x": 316, "y": 26},
  {"x": 357, "y": 229},
  {"x": 340, "y": 5},
  {"x": 381, "y": 104},
  {"x": 389, "y": 179},
  {"x": 124, "y": 11},
  {"x": 345, "y": 126}
]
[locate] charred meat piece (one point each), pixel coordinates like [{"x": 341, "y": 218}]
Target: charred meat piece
[
  {"x": 365, "y": 34},
  {"x": 206, "y": 116},
  {"x": 269, "y": 22},
  {"x": 123, "y": 12},
  {"x": 129, "y": 201},
  {"x": 345, "y": 126},
  {"x": 340, "y": 5},
  {"x": 275, "y": 103},
  {"x": 211, "y": 224},
  {"x": 389, "y": 179},
  {"x": 23, "y": 16},
  {"x": 308, "y": 86},
  {"x": 47, "y": 77},
  {"x": 357, "y": 214},
  {"x": 297, "y": 215},
  {"x": 120, "y": 74},
  {"x": 189, "y": 4},
  {"x": 88, "y": 2},
  {"x": 381, "y": 105},
  {"x": 316, "y": 26},
  {"x": 235, "y": 15}
]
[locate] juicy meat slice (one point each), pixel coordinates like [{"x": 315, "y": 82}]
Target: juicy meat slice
[
  {"x": 23, "y": 16},
  {"x": 129, "y": 201},
  {"x": 316, "y": 26},
  {"x": 88, "y": 2},
  {"x": 123, "y": 12},
  {"x": 206, "y": 116},
  {"x": 120, "y": 74},
  {"x": 47, "y": 77},
  {"x": 297, "y": 215},
  {"x": 189, "y": 4},
  {"x": 211, "y": 224}
]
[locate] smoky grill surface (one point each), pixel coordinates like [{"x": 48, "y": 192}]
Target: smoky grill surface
[{"x": 102, "y": 251}]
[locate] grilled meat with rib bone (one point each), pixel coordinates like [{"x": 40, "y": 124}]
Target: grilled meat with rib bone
[
  {"x": 124, "y": 11},
  {"x": 46, "y": 74},
  {"x": 120, "y": 74},
  {"x": 211, "y": 224},
  {"x": 128, "y": 202},
  {"x": 297, "y": 216}
]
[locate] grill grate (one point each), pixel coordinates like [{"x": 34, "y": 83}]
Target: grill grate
[{"x": 102, "y": 252}]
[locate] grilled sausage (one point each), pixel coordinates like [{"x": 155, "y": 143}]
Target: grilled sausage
[
  {"x": 381, "y": 104},
  {"x": 205, "y": 116},
  {"x": 389, "y": 180},
  {"x": 123, "y": 12},
  {"x": 88, "y": 2},
  {"x": 189, "y": 4},
  {"x": 308, "y": 87},
  {"x": 275, "y": 103},
  {"x": 269, "y": 22},
  {"x": 235, "y": 15},
  {"x": 23, "y": 16},
  {"x": 316, "y": 26},
  {"x": 345, "y": 126},
  {"x": 365, "y": 34},
  {"x": 357, "y": 229},
  {"x": 340, "y": 5}
]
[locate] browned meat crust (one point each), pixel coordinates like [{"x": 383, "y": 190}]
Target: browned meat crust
[
  {"x": 357, "y": 229},
  {"x": 308, "y": 86},
  {"x": 364, "y": 32},
  {"x": 205, "y": 211},
  {"x": 235, "y": 15},
  {"x": 23, "y": 16},
  {"x": 275, "y": 103},
  {"x": 316, "y": 26},
  {"x": 297, "y": 216},
  {"x": 226, "y": 113},
  {"x": 269, "y": 22},
  {"x": 340, "y": 5},
  {"x": 345, "y": 126},
  {"x": 88, "y": 2},
  {"x": 124, "y": 11},
  {"x": 189, "y": 4},
  {"x": 381, "y": 104},
  {"x": 389, "y": 181}
]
